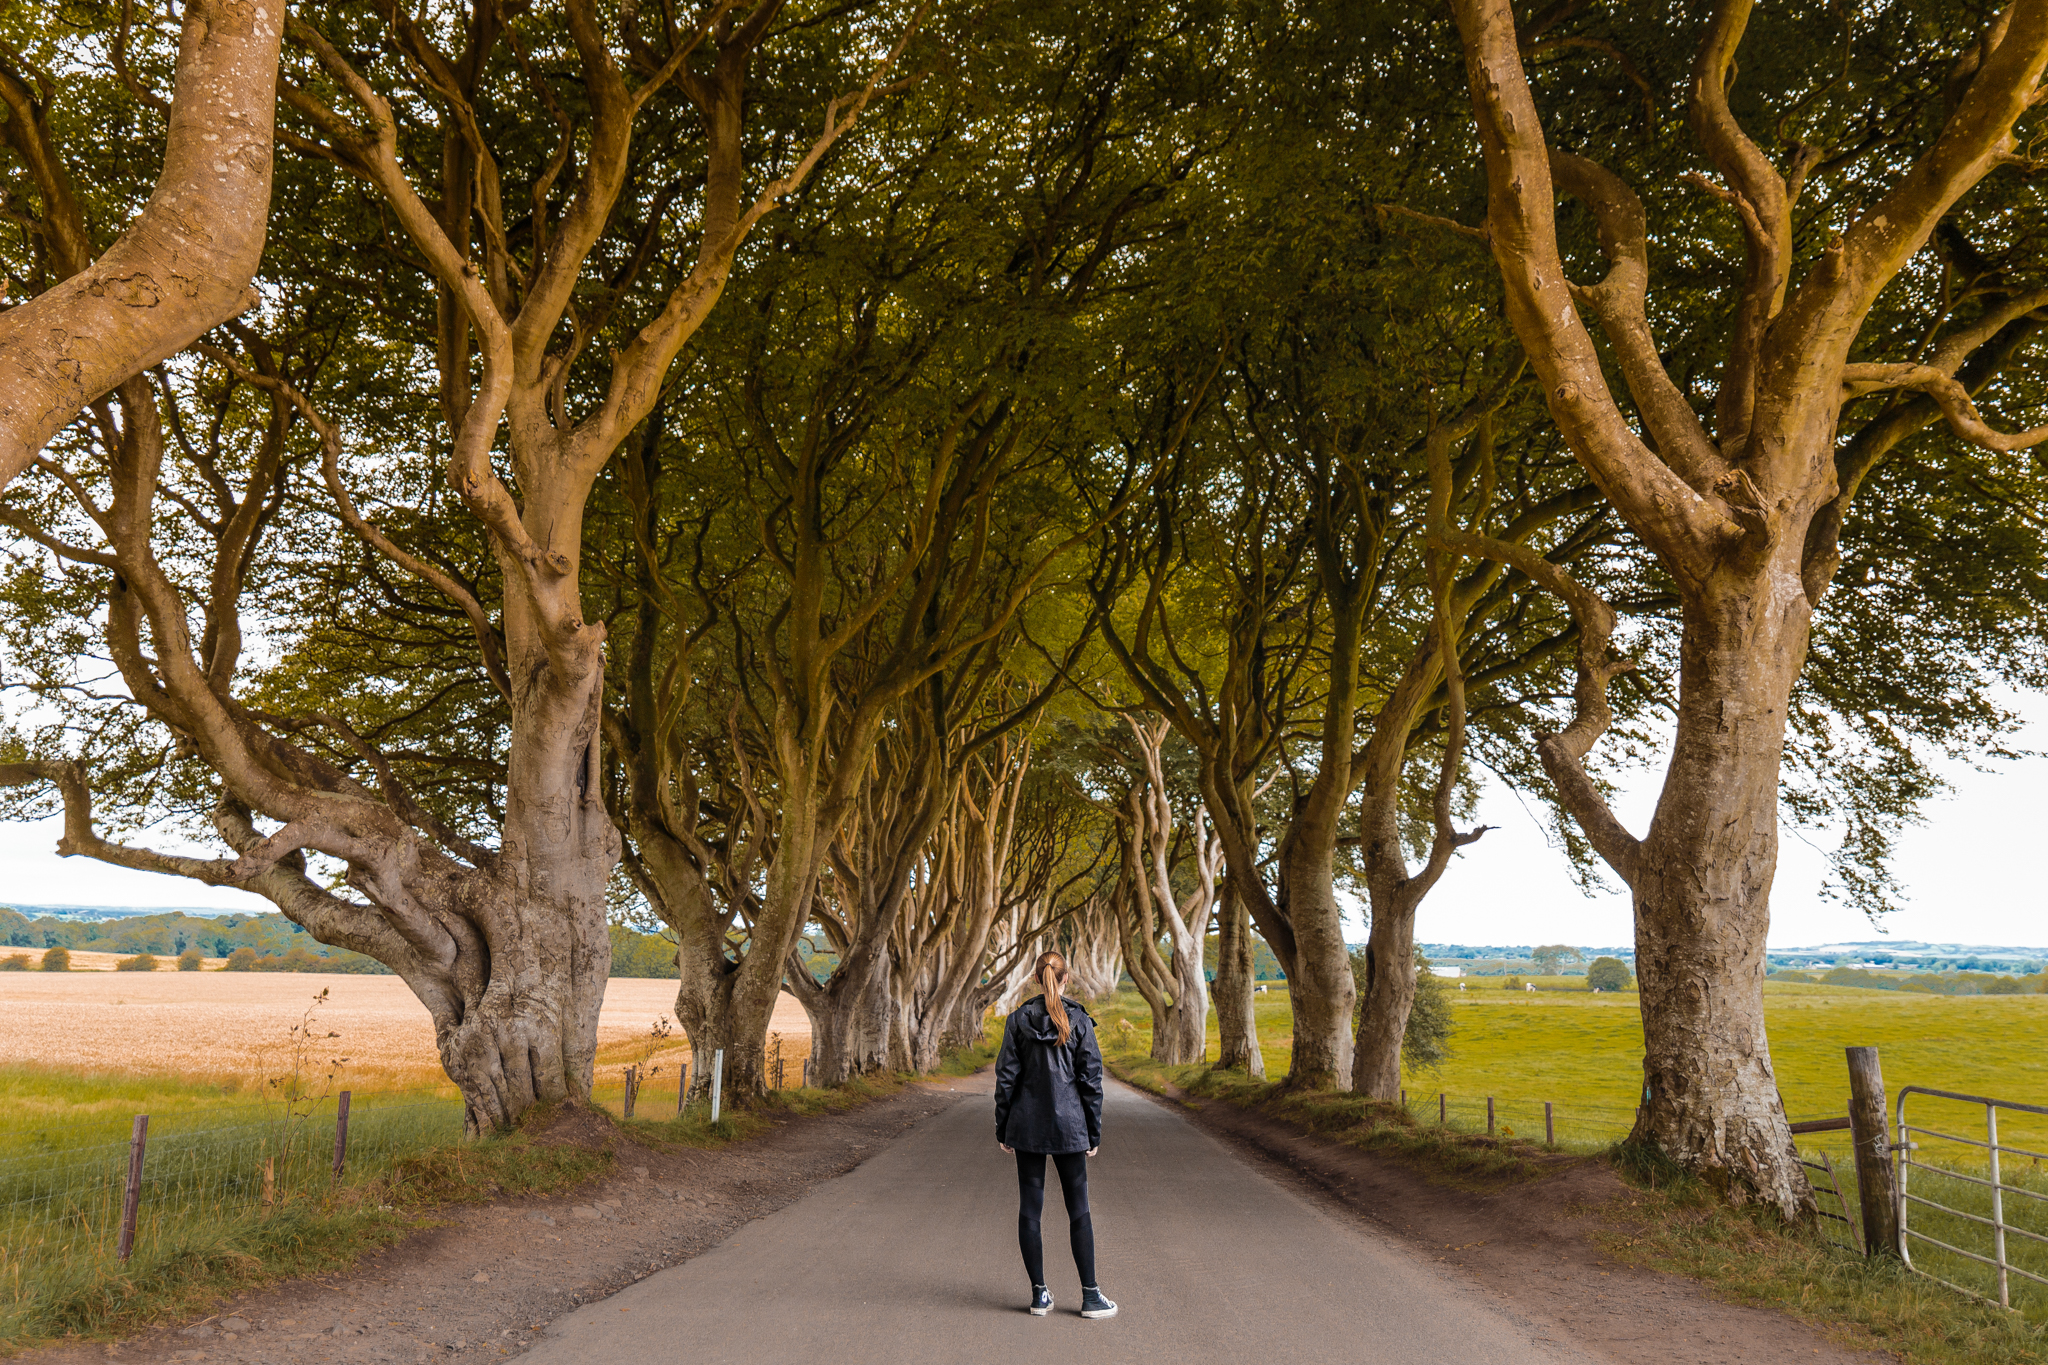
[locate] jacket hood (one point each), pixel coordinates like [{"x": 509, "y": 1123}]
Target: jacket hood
[{"x": 1038, "y": 1025}]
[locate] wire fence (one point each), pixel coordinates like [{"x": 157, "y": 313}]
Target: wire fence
[
  {"x": 1573, "y": 1124},
  {"x": 67, "y": 1219},
  {"x": 657, "y": 1085}
]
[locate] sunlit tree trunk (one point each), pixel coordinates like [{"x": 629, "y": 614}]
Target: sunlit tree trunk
[{"x": 182, "y": 266}]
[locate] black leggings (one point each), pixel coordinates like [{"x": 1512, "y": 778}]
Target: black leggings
[{"x": 1073, "y": 1168}]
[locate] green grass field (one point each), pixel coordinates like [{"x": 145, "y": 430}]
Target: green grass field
[{"x": 1583, "y": 1051}]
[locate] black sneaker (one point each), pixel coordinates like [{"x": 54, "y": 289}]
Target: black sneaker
[
  {"x": 1093, "y": 1305},
  {"x": 1041, "y": 1301}
]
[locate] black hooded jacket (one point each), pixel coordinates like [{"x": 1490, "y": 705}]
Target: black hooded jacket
[{"x": 1048, "y": 1097}]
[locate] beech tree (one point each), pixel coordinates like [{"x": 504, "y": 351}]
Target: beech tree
[
  {"x": 183, "y": 263},
  {"x": 1278, "y": 612},
  {"x": 503, "y": 938},
  {"x": 908, "y": 419},
  {"x": 1742, "y": 504}
]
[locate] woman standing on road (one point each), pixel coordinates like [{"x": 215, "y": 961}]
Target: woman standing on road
[{"x": 1049, "y": 1103}]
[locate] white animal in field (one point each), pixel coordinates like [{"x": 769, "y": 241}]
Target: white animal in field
[
  {"x": 1461, "y": 985},
  {"x": 1529, "y": 986}
]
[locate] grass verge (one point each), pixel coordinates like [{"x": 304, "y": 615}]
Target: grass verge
[
  {"x": 189, "y": 1262},
  {"x": 1440, "y": 1155},
  {"x": 1752, "y": 1256}
]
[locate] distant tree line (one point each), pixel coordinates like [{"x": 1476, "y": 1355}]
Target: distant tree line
[
  {"x": 267, "y": 938},
  {"x": 1931, "y": 983}
]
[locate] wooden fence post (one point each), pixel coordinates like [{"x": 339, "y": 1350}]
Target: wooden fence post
[
  {"x": 717, "y": 1076},
  {"x": 1442, "y": 1111},
  {"x": 683, "y": 1090},
  {"x": 1877, "y": 1180},
  {"x": 1549, "y": 1126},
  {"x": 1489, "y": 1116},
  {"x": 131, "y": 1198},
  {"x": 340, "y": 1132}
]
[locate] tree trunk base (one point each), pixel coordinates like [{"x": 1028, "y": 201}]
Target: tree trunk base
[{"x": 507, "y": 1060}]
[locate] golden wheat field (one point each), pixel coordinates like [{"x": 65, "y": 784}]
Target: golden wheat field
[
  {"x": 84, "y": 960},
  {"x": 238, "y": 1025}
]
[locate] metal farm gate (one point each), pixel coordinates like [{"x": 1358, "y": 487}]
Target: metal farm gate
[{"x": 1986, "y": 1196}]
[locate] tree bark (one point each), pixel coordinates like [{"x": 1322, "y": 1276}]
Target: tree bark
[
  {"x": 1320, "y": 988},
  {"x": 1238, "y": 1030},
  {"x": 757, "y": 978},
  {"x": 182, "y": 266},
  {"x": 852, "y": 1020},
  {"x": 1185, "y": 926},
  {"x": 1094, "y": 955},
  {"x": 1390, "y": 954},
  {"x": 1319, "y": 985},
  {"x": 1702, "y": 896}
]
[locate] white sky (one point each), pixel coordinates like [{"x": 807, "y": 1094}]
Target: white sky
[{"x": 1972, "y": 871}]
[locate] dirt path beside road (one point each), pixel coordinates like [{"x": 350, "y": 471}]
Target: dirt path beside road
[{"x": 1533, "y": 1246}]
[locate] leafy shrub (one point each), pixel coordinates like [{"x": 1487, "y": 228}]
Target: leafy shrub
[
  {"x": 242, "y": 959},
  {"x": 643, "y": 955},
  {"x": 57, "y": 960},
  {"x": 191, "y": 960},
  {"x": 1425, "y": 1043},
  {"x": 17, "y": 962},
  {"x": 1608, "y": 974},
  {"x": 141, "y": 962},
  {"x": 1514, "y": 983}
]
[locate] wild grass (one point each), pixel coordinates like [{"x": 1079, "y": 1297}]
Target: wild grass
[
  {"x": 234, "y": 1196},
  {"x": 1443, "y": 1154},
  {"x": 1751, "y": 1256}
]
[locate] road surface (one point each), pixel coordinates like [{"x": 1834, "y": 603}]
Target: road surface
[{"x": 912, "y": 1256}]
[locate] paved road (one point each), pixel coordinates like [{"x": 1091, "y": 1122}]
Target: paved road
[{"x": 912, "y": 1256}]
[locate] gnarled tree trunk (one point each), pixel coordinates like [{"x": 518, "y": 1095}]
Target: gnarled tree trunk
[
  {"x": 1094, "y": 950},
  {"x": 1389, "y": 991},
  {"x": 1180, "y": 1032},
  {"x": 852, "y": 1020},
  {"x": 1702, "y": 887},
  {"x": 1238, "y": 1030},
  {"x": 1744, "y": 518}
]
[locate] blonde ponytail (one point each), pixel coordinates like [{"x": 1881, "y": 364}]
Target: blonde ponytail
[{"x": 1052, "y": 974}]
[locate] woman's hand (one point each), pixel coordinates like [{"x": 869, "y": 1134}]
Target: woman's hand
[
  {"x": 1007, "y": 1147},
  {"x": 1093, "y": 1150}
]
